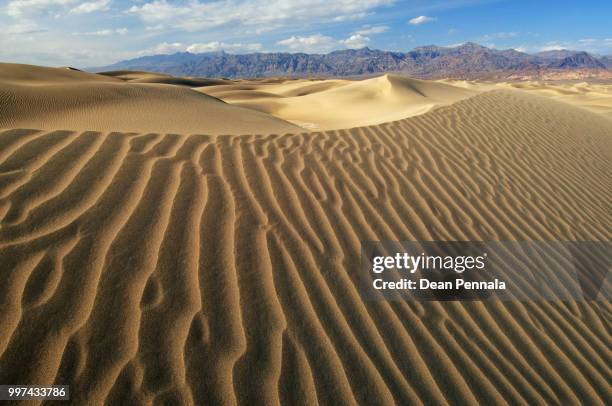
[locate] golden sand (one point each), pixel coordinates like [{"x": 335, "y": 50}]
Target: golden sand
[{"x": 143, "y": 266}]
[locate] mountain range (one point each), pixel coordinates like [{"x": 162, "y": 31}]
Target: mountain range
[{"x": 468, "y": 60}]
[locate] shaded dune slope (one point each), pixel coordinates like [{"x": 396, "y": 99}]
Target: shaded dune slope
[
  {"x": 151, "y": 77},
  {"x": 55, "y": 98},
  {"x": 144, "y": 268}
]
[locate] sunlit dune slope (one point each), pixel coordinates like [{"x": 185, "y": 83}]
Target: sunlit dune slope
[
  {"x": 595, "y": 97},
  {"x": 336, "y": 104}
]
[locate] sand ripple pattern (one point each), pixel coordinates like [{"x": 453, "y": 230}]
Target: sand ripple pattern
[{"x": 188, "y": 269}]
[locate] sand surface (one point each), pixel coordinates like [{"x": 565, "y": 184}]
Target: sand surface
[
  {"x": 56, "y": 98},
  {"x": 169, "y": 268},
  {"x": 338, "y": 104},
  {"x": 594, "y": 97}
]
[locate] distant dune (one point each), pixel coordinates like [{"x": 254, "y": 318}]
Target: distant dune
[
  {"x": 145, "y": 266},
  {"x": 595, "y": 97},
  {"x": 336, "y": 104},
  {"x": 326, "y": 104}
]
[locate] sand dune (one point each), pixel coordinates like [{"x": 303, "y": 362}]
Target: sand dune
[
  {"x": 151, "y": 77},
  {"x": 163, "y": 268},
  {"x": 52, "y": 98},
  {"x": 327, "y": 104},
  {"x": 337, "y": 104},
  {"x": 593, "y": 97},
  {"x": 590, "y": 96}
]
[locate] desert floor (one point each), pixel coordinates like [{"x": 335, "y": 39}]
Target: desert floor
[{"x": 196, "y": 241}]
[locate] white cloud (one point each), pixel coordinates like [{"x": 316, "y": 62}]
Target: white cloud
[
  {"x": 552, "y": 47},
  {"x": 221, "y": 46},
  {"x": 319, "y": 43},
  {"x": 173, "y": 47},
  {"x": 197, "y": 15},
  {"x": 421, "y": 20},
  {"x": 157, "y": 27},
  {"x": 312, "y": 43},
  {"x": 356, "y": 41},
  {"x": 91, "y": 6},
  {"x": 371, "y": 30},
  {"x": 104, "y": 33},
  {"x": 592, "y": 45},
  {"x": 165, "y": 48},
  {"x": 350, "y": 17},
  {"x": 498, "y": 35},
  {"x": 18, "y": 8},
  {"x": 158, "y": 10},
  {"x": 22, "y": 27}
]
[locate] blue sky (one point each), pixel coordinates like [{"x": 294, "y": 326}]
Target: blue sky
[{"x": 97, "y": 32}]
